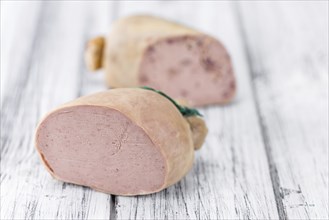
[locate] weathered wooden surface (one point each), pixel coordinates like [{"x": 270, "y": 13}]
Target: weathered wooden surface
[
  {"x": 49, "y": 71},
  {"x": 266, "y": 156},
  {"x": 289, "y": 64}
]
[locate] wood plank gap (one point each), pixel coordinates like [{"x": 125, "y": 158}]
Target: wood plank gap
[
  {"x": 113, "y": 211},
  {"x": 264, "y": 132},
  {"x": 82, "y": 68},
  {"x": 114, "y": 12}
]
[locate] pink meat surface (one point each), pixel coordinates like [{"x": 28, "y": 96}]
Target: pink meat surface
[
  {"x": 101, "y": 148},
  {"x": 194, "y": 68}
]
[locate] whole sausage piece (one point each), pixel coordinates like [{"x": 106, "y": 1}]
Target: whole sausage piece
[
  {"x": 127, "y": 141},
  {"x": 184, "y": 63}
]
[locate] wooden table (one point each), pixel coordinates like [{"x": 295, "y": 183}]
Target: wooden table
[{"x": 266, "y": 155}]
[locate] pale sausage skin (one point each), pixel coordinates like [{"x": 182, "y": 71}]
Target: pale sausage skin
[
  {"x": 122, "y": 141},
  {"x": 184, "y": 63}
]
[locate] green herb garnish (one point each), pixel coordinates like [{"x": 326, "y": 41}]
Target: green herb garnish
[{"x": 185, "y": 111}]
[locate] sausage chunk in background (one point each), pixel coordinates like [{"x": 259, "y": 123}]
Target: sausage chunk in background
[
  {"x": 183, "y": 62},
  {"x": 127, "y": 141}
]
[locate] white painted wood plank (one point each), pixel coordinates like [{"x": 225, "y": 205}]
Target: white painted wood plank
[
  {"x": 288, "y": 43},
  {"x": 51, "y": 69},
  {"x": 230, "y": 178},
  {"x": 103, "y": 14},
  {"x": 16, "y": 46}
]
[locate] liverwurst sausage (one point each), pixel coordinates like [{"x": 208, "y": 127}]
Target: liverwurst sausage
[
  {"x": 128, "y": 141},
  {"x": 184, "y": 63}
]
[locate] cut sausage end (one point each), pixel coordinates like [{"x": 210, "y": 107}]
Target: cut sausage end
[
  {"x": 101, "y": 148},
  {"x": 195, "y": 68}
]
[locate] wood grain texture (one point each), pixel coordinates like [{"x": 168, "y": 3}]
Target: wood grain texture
[
  {"x": 289, "y": 64},
  {"x": 266, "y": 156},
  {"x": 45, "y": 74}
]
